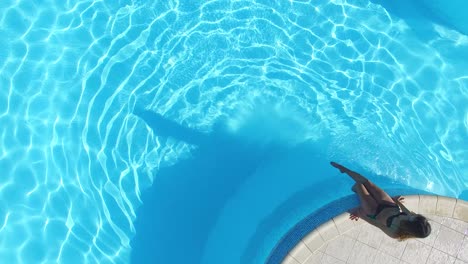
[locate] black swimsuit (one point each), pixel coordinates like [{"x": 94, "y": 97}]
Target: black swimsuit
[{"x": 383, "y": 206}]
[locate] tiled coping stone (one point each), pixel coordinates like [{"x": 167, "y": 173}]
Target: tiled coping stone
[{"x": 308, "y": 236}]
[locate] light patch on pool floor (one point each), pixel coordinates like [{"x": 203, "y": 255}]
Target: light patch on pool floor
[{"x": 341, "y": 240}]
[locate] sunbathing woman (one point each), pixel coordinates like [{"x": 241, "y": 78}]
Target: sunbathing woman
[{"x": 382, "y": 211}]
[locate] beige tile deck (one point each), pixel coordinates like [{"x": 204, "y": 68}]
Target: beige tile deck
[{"x": 341, "y": 240}]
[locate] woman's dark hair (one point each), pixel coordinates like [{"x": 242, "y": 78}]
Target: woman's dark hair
[{"x": 417, "y": 227}]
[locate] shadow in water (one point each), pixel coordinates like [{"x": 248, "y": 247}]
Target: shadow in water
[
  {"x": 186, "y": 213},
  {"x": 417, "y": 15},
  {"x": 181, "y": 207}
]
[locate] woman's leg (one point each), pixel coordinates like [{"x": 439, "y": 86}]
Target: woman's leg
[
  {"x": 378, "y": 194},
  {"x": 356, "y": 176},
  {"x": 368, "y": 204}
]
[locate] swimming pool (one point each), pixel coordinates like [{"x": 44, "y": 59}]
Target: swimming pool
[{"x": 201, "y": 131}]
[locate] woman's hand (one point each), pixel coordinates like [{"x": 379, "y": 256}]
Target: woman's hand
[
  {"x": 342, "y": 169},
  {"x": 398, "y": 198},
  {"x": 354, "y": 214}
]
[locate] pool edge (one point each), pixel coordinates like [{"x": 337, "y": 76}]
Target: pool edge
[{"x": 328, "y": 222}]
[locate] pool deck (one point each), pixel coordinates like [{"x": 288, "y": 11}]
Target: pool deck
[{"x": 341, "y": 240}]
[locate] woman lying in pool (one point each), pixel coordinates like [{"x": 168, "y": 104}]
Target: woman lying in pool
[{"x": 382, "y": 211}]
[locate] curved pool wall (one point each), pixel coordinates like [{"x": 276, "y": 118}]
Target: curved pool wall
[
  {"x": 246, "y": 102},
  {"x": 319, "y": 217},
  {"x": 421, "y": 15},
  {"x": 454, "y": 12}
]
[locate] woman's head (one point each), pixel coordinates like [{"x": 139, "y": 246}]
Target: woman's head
[{"x": 415, "y": 225}]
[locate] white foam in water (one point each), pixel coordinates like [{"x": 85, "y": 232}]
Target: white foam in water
[
  {"x": 75, "y": 159},
  {"x": 264, "y": 123}
]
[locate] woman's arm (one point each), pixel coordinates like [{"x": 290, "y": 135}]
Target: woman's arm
[{"x": 398, "y": 200}]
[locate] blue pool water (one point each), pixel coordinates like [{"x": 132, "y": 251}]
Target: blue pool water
[{"x": 201, "y": 131}]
